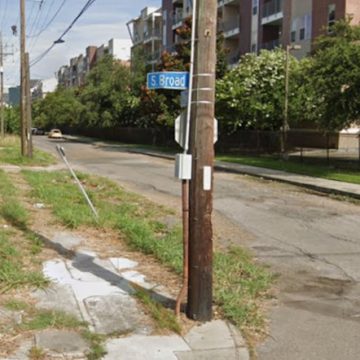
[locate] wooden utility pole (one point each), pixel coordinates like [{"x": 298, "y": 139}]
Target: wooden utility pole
[
  {"x": 24, "y": 133},
  {"x": 3, "y": 54},
  {"x": 2, "y": 86},
  {"x": 28, "y": 106},
  {"x": 202, "y": 150}
]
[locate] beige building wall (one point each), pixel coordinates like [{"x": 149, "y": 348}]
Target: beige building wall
[
  {"x": 353, "y": 9},
  {"x": 301, "y": 26}
]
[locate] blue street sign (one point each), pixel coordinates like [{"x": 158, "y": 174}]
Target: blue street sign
[{"x": 168, "y": 80}]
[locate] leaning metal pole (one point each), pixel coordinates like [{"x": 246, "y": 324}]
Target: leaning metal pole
[{"x": 61, "y": 152}]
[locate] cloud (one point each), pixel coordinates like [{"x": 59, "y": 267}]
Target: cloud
[{"x": 104, "y": 20}]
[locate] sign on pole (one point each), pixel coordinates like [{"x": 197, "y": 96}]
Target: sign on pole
[
  {"x": 168, "y": 80},
  {"x": 180, "y": 129}
]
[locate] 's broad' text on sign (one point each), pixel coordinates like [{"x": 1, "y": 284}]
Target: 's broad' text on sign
[{"x": 168, "y": 80}]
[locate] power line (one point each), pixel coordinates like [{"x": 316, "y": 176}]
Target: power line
[
  {"x": 51, "y": 20},
  {"x": 60, "y": 40},
  {"x": 4, "y": 14},
  {"x": 36, "y": 19},
  {"x": 35, "y": 38}
]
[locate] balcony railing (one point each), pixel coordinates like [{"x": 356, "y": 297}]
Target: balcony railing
[
  {"x": 155, "y": 56},
  {"x": 231, "y": 26},
  {"x": 178, "y": 17},
  {"x": 152, "y": 34},
  {"x": 272, "y": 7},
  {"x": 270, "y": 45}
]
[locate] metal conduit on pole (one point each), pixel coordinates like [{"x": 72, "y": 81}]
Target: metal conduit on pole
[
  {"x": 185, "y": 183},
  {"x": 61, "y": 152}
]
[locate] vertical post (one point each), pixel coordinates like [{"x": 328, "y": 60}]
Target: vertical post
[
  {"x": 24, "y": 147},
  {"x": 2, "y": 86},
  {"x": 202, "y": 150},
  {"x": 286, "y": 104},
  {"x": 152, "y": 34},
  {"x": 359, "y": 148},
  {"x": 28, "y": 107}
]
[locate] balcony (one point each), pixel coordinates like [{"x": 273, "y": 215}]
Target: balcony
[
  {"x": 272, "y": 12},
  {"x": 152, "y": 35},
  {"x": 233, "y": 60},
  {"x": 271, "y": 45},
  {"x": 227, "y": 2},
  {"x": 230, "y": 29},
  {"x": 154, "y": 57},
  {"x": 177, "y": 19}
]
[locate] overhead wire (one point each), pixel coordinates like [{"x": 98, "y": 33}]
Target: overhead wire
[
  {"x": 34, "y": 38},
  {"x": 4, "y": 15},
  {"x": 37, "y": 18},
  {"x": 60, "y": 40},
  {"x": 45, "y": 27}
]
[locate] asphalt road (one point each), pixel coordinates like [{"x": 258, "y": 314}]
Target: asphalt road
[{"x": 311, "y": 241}]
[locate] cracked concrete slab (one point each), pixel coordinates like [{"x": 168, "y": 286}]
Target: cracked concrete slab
[
  {"x": 123, "y": 263},
  {"x": 99, "y": 291},
  {"x": 228, "y": 354},
  {"x": 140, "y": 347},
  {"x": 67, "y": 344},
  {"x": 115, "y": 314},
  {"x": 206, "y": 336},
  {"x": 22, "y": 353},
  {"x": 67, "y": 240},
  {"x": 58, "y": 297}
]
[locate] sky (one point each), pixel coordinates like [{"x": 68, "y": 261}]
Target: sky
[{"x": 104, "y": 20}]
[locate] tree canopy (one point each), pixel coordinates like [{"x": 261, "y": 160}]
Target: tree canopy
[
  {"x": 334, "y": 76},
  {"x": 251, "y": 96}
]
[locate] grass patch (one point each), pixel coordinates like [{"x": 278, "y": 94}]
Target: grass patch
[
  {"x": 240, "y": 285},
  {"x": 10, "y": 153},
  {"x": 37, "y": 353},
  {"x": 13, "y": 273},
  {"x": 13, "y": 212},
  {"x": 51, "y": 319},
  {"x": 10, "y": 208},
  {"x": 36, "y": 244},
  {"x": 96, "y": 342},
  {"x": 13, "y": 254},
  {"x": 16, "y": 305},
  {"x": 165, "y": 318},
  {"x": 291, "y": 166}
]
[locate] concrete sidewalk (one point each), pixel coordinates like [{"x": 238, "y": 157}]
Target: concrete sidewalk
[
  {"x": 313, "y": 183},
  {"x": 101, "y": 291}
]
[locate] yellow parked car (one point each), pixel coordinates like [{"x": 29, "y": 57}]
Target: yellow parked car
[{"x": 55, "y": 134}]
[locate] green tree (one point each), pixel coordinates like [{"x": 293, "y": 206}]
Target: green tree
[
  {"x": 251, "y": 96},
  {"x": 59, "y": 109},
  {"x": 12, "y": 120},
  {"x": 335, "y": 77},
  {"x": 106, "y": 95}
]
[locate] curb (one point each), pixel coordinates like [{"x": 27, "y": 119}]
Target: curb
[{"x": 248, "y": 170}]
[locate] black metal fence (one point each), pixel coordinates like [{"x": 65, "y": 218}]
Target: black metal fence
[{"x": 304, "y": 144}]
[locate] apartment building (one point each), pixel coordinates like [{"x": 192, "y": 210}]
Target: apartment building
[
  {"x": 75, "y": 73},
  {"x": 252, "y": 25},
  {"x": 146, "y": 33}
]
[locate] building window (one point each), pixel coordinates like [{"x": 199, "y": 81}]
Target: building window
[
  {"x": 331, "y": 17},
  {"x": 302, "y": 34},
  {"x": 255, "y": 6},
  {"x": 293, "y": 36}
]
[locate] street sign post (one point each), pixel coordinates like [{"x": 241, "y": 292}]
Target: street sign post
[
  {"x": 184, "y": 99},
  {"x": 180, "y": 130},
  {"x": 171, "y": 80}
]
